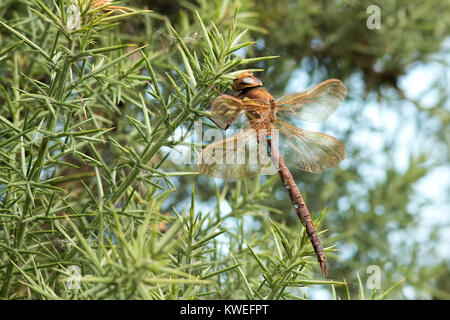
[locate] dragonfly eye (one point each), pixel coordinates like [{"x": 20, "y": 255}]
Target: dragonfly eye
[
  {"x": 245, "y": 80},
  {"x": 248, "y": 80}
]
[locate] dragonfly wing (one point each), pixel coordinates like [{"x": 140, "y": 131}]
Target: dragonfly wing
[
  {"x": 237, "y": 157},
  {"x": 225, "y": 109},
  {"x": 315, "y": 104},
  {"x": 308, "y": 151}
]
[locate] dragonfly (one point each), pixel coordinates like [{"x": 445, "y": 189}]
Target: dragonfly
[{"x": 265, "y": 118}]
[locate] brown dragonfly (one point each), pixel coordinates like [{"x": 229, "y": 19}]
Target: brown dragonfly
[{"x": 299, "y": 148}]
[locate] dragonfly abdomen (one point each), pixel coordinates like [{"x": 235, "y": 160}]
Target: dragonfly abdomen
[{"x": 298, "y": 203}]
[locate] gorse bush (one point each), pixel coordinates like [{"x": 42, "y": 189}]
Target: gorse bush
[
  {"x": 84, "y": 119},
  {"x": 95, "y": 99}
]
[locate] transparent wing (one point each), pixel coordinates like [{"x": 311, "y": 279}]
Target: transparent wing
[
  {"x": 225, "y": 109},
  {"x": 306, "y": 150},
  {"x": 237, "y": 157},
  {"x": 315, "y": 104}
]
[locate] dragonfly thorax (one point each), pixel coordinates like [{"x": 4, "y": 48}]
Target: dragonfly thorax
[{"x": 266, "y": 102}]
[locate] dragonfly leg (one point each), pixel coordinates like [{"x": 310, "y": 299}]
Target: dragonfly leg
[{"x": 217, "y": 91}]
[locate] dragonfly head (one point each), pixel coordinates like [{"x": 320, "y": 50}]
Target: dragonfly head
[{"x": 245, "y": 80}]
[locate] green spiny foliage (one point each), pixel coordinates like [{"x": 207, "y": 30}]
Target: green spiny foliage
[{"x": 83, "y": 183}]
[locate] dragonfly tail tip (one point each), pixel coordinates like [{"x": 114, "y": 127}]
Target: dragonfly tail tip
[{"x": 323, "y": 267}]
